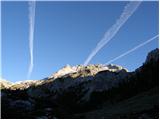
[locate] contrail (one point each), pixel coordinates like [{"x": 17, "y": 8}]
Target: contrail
[
  {"x": 32, "y": 7},
  {"x": 129, "y": 9},
  {"x": 133, "y": 49}
]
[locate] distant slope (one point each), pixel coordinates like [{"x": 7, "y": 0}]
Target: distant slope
[{"x": 143, "y": 105}]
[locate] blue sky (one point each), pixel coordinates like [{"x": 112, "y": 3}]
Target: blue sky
[{"x": 66, "y": 32}]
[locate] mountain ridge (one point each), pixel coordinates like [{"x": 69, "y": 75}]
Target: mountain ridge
[{"x": 87, "y": 89}]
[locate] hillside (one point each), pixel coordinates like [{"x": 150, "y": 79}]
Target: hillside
[{"x": 93, "y": 91}]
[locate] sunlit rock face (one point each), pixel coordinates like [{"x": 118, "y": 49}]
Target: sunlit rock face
[
  {"x": 90, "y": 69},
  {"x": 115, "y": 68},
  {"x": 65, "y": 70},
  {"x": 5, "y": 84}
]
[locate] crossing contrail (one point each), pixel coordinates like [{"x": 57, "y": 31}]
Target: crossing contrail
[
  {"x": 32, "y": 7},
  {"x": 129, "y": 9},
  {"x": 133, "y": 49}
]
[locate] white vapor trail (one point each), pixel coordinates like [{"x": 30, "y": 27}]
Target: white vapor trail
[
  {"x": 32, "y": 7},
  {"x": 129, "y": 9},
  {"x": 133, "y": 49}
]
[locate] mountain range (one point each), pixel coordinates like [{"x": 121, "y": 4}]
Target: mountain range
[{"x": 92, "y": 91}]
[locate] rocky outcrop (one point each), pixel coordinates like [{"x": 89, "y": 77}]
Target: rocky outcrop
[
  {"x": 89, "y": 69},
  {"x": 153, "y": 56},
  {"x": 65, "y": 70},
  {"x": 5, "y": 84}
]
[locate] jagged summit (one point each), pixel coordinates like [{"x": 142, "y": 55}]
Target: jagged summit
[
  {"x": 5, "y": 84},
  {"x": 92, "y": 69},
  {"x": 19, "y": 84},
  {"x": 153, "y": 55}
]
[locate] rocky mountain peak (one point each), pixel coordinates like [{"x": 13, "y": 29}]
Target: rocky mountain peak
[
  {"x": 65, "y": 70},
  {"x": 5, "y": 83},
  {"x": 91, "y": 69},
  {"x": 153, "y": 55},
  {"x": 115, "y": 68}
]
